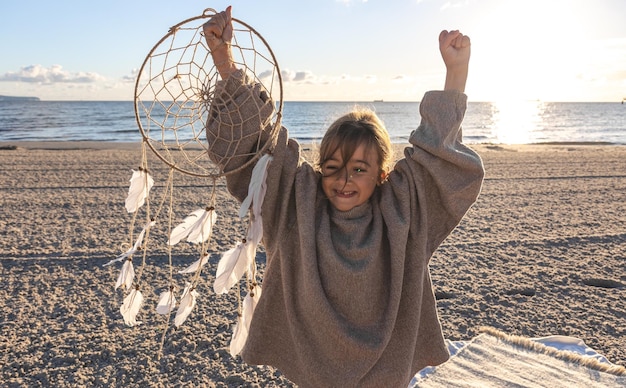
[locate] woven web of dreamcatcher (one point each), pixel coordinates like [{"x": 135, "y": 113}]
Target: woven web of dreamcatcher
[{"x": 177, "y": 83}]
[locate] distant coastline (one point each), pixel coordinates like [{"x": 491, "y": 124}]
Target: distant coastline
[{"x": 19, "y": 99}]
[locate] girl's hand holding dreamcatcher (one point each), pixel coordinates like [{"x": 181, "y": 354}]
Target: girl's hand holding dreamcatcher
[{"x": 219, "y": 33}]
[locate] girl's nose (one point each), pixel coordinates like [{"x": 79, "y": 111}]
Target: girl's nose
[{"x": 344, "y": 176}]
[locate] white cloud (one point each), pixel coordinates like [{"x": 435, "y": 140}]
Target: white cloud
[
  {"x": 53, "y": 74},
  {"x": 303, "y": 76},
  {"x": 132, "y": 77},
  {"x": 300, "y": 76},
  {"x": 371, "y": 79}
]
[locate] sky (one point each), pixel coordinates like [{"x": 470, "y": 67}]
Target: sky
[{"x": 347, "y": 50}]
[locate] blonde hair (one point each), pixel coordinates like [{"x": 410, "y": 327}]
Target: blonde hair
[{"x": 347, "y": 133}]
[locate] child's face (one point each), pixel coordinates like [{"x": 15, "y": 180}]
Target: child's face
[{"x": 350, "y": 186}]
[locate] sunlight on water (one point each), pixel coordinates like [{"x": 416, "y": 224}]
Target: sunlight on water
[{"x": 516, "y": 121}]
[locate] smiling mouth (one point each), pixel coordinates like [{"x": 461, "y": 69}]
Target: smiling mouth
[{"x": 345, "y": 194}]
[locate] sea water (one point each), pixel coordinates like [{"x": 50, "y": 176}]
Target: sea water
[{"x": 513, "y": 122}]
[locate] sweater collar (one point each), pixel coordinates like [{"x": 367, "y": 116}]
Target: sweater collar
[{"x": 352, "y": 214}]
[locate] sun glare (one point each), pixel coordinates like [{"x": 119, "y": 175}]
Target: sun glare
[
  {"x": 515, "y": 121},
  {"x": 526, "y": 49}
]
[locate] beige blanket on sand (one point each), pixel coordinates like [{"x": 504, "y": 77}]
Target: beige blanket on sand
[{"x": 495, "y": 359}]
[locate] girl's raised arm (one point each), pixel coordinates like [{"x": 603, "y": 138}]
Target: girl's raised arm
[{"x": 218, "y": 32}]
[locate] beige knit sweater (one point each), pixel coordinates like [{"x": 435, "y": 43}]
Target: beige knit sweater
[{"x": 347, "y": 297}]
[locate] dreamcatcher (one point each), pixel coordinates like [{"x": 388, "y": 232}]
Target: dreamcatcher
[{"x": 174, "y": 91}]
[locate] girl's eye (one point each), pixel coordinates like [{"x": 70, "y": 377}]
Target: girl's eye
[
  {"x": 329, "y": 170},
  {"x": 359, "y": 170}
]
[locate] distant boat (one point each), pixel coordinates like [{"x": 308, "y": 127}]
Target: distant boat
[{"x": 378, "y": 100}]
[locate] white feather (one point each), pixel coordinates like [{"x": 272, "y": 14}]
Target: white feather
[
  {"x": 253, "y": 299},
  {"x": 201, "y": 232},
  {"x": 182, "y": 230},
  {"x": 252, "y": 267},
  {"x": 259, "y": 194},
  {"x": 140, "y": 184},
  {"x": 255, "y": 230},
  {"x": 196, "y": 227},
  {"x": 167, "y": 302},
  {"x": 196, "y": 265},
  {"x": 257, "y": 187},
  {"x": 242, "y": 328},
  {"x": 187, "y": 303},
  {"x": 130, "y": 307},
  {"x": 127, "y": 275},
  {"x": 239, "y": 338},
  {"x": 233, "y": 265},
  {"x": 134, "y": 248}
]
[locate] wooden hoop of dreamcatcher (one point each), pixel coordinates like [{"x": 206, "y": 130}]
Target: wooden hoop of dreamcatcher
[
  {"x": 174, "y": 91},
  {"x": 175, "y": 88}
]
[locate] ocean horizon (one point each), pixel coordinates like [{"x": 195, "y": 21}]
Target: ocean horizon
[{"x": 513, "y": 122}]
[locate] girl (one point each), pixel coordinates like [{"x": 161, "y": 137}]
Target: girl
[{"x": 347, "y": 297}]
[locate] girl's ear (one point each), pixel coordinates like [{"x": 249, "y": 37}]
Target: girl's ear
[{"x": 383, "y": 177}]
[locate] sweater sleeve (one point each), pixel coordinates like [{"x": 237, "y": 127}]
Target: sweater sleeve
[
  {"x": 239, "y": 109},
  {"x": 238, "y": 126},
  {"x": 447, "y": 175}
]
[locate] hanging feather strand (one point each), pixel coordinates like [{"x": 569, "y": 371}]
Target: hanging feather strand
[
  {"x": 240, "y": 332},
  {"x": 233, "y": 265},
  {"x": 187, "y": 303},
  {"x": 167, "y": 302},
  {"x": 196, "y": 227},
  {"x": 239, "y": 260},
  {"x": 130, "y": 307},
  {"x": 140, "y": 184},
  {"x": 256, "y": 188},
  {"x": 196, "y": 264},
  {"x": 127, "y": 274},
  {"x": 134, "y": 248},
  {"x": 255, "y": 229}
]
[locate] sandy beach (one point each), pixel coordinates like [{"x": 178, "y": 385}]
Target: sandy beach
[{"x": 542, "y": 252}]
